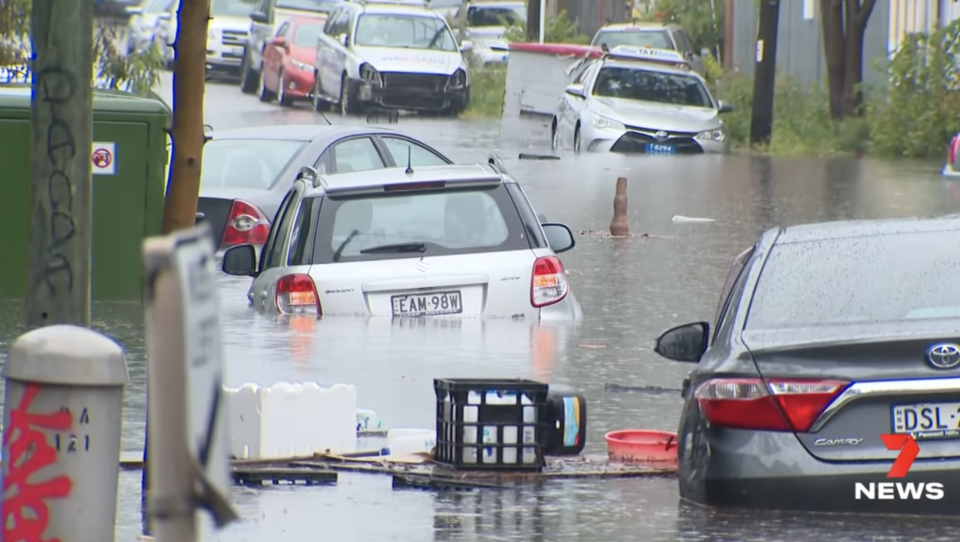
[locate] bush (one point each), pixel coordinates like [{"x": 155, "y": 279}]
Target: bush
[
  {"x": 487, "y": 86},
  {"x": 557, "y": 30}
]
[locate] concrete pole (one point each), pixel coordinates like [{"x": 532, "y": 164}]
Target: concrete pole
[
  {"x": 543, "y": 16},
  {"x": 61, "y": 189},
  {"x": 61, "y": 441}
]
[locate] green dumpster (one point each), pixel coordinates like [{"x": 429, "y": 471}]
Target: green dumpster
[{"x": 128, "y": 158}]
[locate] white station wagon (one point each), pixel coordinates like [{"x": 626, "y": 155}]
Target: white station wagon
[{"x": 441, "y": 241}]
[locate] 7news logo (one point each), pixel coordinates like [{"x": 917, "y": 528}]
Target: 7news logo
[{"x": 900, "y": 490}]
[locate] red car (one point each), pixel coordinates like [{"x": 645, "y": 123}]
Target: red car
[{"x": 288, "y": 60}]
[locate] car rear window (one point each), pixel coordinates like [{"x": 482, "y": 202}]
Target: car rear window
[
  {"x": 657, "y": 39},
  {"x": 496, "y": 15},
  {"x": 860, "y": 280},
  {"x": 246, "y": 163},
  {"x": 444, "y": 222}
]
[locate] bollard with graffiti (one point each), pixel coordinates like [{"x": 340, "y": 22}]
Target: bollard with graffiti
[{"x": 61, "y": 438}]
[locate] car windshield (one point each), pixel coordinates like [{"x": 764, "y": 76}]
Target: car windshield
[
  {"x": 403, "y": 225},
  {"x": 245, "y": 163},
  {"x": 159, "y": 6},
  {"x": 324, "y": 6},
  {"x": 657, "y": 39},
  {"x": 231, "y": 8},
  {"x": 496, "y": 15},
  {"x": 651, "y": 86},
  {"x": 307, "y": 35},
  {"x": 405, "y": 31},
  {"x": 859, "y": 280}
]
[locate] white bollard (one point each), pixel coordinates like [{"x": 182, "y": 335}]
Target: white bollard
[{"x": 61, "y": 440}]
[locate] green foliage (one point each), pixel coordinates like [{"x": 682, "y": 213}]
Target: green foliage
[
  {"x": 138, "y": 71},
  {"x": 487, "y": 85},
  {"x": 919, "y": 111},
  {"x": 557, "y": 30},
  {"x": 702, "y": 19}
]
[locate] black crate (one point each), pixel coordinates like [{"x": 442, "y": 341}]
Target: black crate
[{"x": 485, "y": 424}]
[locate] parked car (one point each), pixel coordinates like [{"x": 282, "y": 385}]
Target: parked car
[
  {"x": 226, "y": 36},
  {"x": 640, "y": 100},
  {"x": 826, "y": 337},
  {"x": 446, "y": 8},
  {"x": 952, "y": 167},
  {"x": 265, "y": 20},
  {"x": 434, "y": 241},
  {"x": 654, "y": 35},
  {"x": 484, "y": 24},
  {"x": 145, "y": 22},
  {"x": 394, "y": 55},
  {"x": 288, "y": 61},
  {"x": 165, "y": 33},
  {"x": 247, "y": 171}
]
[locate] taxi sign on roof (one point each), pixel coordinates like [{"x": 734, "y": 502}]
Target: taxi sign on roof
[{"x": 648, "y": 54}]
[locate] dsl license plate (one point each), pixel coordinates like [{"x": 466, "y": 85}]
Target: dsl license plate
[
  {"x": 427, "y": 304},
  {"x": 927, "y": 420},
  {"x": 659, "y": 148}
]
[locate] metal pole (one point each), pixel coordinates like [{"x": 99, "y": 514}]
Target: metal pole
[
  {"x": 543, "y": 17},
  {"x": 728, "y": 31},
  {"x": 764, "y": 76},
  {"x": 61, "y": 446},
  {"x": 61, "y": 189}
]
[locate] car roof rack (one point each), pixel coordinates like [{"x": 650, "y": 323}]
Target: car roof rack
[
  {"x": 647, "y": 54},
  {"x": 420, "y": 3}
]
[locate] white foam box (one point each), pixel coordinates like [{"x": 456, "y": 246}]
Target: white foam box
[{"x": 291, "y": 420}]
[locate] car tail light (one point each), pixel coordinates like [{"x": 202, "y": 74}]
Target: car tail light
[
  {"x": 549, "y": 283},
  {"x": 246, "y": 225},
  {"x": 954, "y": 143},
  {"x": 772, "y": 405},
  {"x": 297, "y": 294}
]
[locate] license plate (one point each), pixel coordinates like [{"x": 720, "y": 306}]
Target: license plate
[
  {"x": 927, "y": 420},
  {"x": 657, "y": 148},
  {"x": 427, "y": 304}
]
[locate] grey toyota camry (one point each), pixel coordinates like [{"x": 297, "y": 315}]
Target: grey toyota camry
[{"x": 829, "y": 378}]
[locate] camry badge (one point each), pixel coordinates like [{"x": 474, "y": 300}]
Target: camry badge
[
  {"x": 944, "y": 356},
  {"x": 661, "y": 135}
]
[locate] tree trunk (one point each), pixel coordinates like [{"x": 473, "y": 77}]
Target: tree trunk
[
  {"x": 189, "y": 71},
  {"x": 533, "y": 21},
  {"x": 844, "y": 22}
]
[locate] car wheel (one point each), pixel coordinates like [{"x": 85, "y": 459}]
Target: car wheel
[
  {"x": 319, "y": 104},
  {"x": 576, "y": 139},
  {"x": 347, "y": 98},
  {"x": 249, "y": 78},
  {"x": 265, "y": 94},
  {"x": 282, "y": 92},
  {"x": 555, "y": 135}
]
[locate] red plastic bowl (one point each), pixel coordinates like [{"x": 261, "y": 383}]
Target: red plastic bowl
[{"x": 642, "y": 446}]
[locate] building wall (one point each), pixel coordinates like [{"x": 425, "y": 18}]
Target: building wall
[{"x": 800, "y": 41}]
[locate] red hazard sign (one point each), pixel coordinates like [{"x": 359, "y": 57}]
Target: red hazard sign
[{"x": 102, "y": 158}]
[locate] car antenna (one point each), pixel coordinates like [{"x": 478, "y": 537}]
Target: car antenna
[
  {"x": 409, "y": 170},
  {"x": 325, "y": 118}
]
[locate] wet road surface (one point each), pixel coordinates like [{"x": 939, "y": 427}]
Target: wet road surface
[{"x": 630, "y": 291}]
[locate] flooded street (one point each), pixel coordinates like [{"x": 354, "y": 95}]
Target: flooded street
[{"x": 630, "y": 290}]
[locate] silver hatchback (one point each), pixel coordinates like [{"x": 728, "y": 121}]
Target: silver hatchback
[{"x": 441, "y": 241}]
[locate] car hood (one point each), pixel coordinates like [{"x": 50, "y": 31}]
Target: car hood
[
  {"x": 230, "y": 23},
  {"x": 678, "y": 118},
  {"x": 478, "y": 33},
  {"x": 307, "y": 55},
  {"x": 388, "y": 59}
]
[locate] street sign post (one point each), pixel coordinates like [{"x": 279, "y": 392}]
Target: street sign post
[{"x": 188, "y": 433}]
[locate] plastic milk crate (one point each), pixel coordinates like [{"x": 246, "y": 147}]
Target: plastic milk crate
[{"x": 489, "y": 424}]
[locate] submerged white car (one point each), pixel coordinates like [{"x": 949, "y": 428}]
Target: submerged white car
[
  {"x": 639, "y": 100},
  {"x": 393, "y": 55},
  {"x": 439, "y": 241}
]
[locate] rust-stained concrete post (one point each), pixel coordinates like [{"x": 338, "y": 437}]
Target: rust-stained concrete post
[
  {"x": 619, "y": 226},
  {"x": 61, "y": 188}
]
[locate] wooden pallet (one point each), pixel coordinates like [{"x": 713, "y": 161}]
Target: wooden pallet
[{"x": 257, "y": 476}]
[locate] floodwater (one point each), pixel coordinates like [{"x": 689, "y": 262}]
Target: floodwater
[{"x": 630, "y": 291}]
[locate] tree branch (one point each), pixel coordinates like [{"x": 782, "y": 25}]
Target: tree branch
[{"x": 864, "y": 11}]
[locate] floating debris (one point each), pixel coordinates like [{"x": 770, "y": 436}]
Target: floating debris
[
  {"x": 592, "y": 346},
  {"x": 691, "y": 219},
  {"x": 525, "y": 156},
  {"x": 605, "y": 234},
  {"x": 639, "y": 389}
]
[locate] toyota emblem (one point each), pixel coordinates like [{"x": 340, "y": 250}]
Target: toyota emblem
[
  {"x": 661, "y": 135},
  {"x": 944, "y": 356}
]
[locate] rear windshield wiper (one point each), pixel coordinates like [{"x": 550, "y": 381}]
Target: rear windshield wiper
[{"x": 397, "y": 247}]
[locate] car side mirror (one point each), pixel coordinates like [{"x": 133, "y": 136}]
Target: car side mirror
[
  {"x": 466, "y": 46},
  {"x": 240, "y": 261},
  {"x": 344, "y": 39},
  {"x": 308, "y": 173},
  {"x": 279, "y": 41},
  {"x": 574, "y": 90},
  {"x": 559, "y": 237},
  {"x": 685, "y": 343},
  {"x": 724, "y": 107},
  {"x": 259, "y": 17}
]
